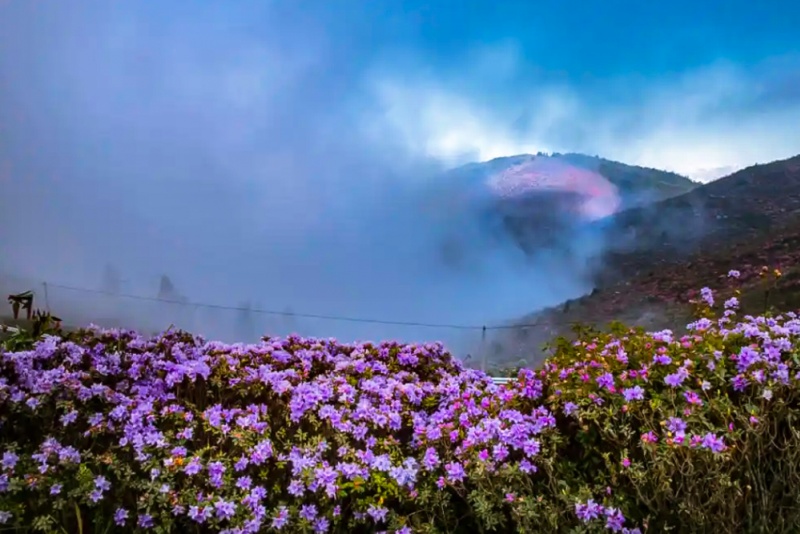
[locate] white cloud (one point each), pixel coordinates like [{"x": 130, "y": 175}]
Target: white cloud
[
  {"x": 444, "y": 125},
  {"x": 704, "y": 124}
]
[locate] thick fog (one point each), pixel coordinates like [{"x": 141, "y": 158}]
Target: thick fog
[
  {"x": 238, "y": 159},
  {"x": 282, "y": 155}
]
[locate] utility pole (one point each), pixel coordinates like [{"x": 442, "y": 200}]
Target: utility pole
[
  {"x": 46, "y": 297},
  {"x": 484, "y": 354}
]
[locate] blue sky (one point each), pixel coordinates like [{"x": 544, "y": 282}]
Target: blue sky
[
  {"x": 687, "y": 86},
  {"x": 250, "y": 139}
]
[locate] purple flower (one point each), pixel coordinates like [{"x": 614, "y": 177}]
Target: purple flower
[
  {"x": 69, "y": 418},
  {"x": 431, "y": 459},
  {"x": 714, "y": 443},
  {"x": 321, "y": 525},
  {"x": 707, "y": 295},
  {"x": 674, "y": 380},
  {"x": 500, "y": 452},
  {"x": 587, "y": 512},
  {"x": 455, "y": 472},
  {"x": 382, "y": 463},
  {"x": 69, "y": 455},
  {"x": 531, "y": 447},
  {"x": 224, "y": 509},
  {"x": 296, "y": 488},
  {"x": 570, "y": 408},
  {"x": 634, "y": 393},
  {"x": 605, "y": 381},
  {"x": 261, "y": 452},
  {"x": 281, "y": 518},
  {"x": 308, "y": 512},
  {"x": 747, "y": 357},
  {"x": 145, "y": 521},
  {"x": 258, "y": 493},
  {"x": 9, "y": 460},
  {"x": 692, "y": 397},
  {"x": 215, "y": 472},
  {"x": 662, "y": 359},
  {"x": 198, "y": 514},
  {"x": 676, "y": 425},
  {"x": 527, "y": 467},
  {"x": 377, "y": 513},
  {"x": 120, "y": 516},
  {"x": 241, "y": 464},
  {"x": 193, "y": 467},
  {"x": 739, "y": 382},
  {"x": 101, "y": 483},
  {"x": 614, "y": 519}
]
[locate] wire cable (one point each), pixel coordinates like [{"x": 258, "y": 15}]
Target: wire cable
[{"x": 342, "y": 318}]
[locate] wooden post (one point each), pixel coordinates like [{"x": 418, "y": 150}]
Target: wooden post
[{"x": 24, "y": 301}]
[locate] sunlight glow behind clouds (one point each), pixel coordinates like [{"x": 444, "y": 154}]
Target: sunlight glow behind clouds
[{"x": 701, "y": 124}]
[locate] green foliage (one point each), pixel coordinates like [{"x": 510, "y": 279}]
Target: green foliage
[{"x": 21, "y": 339}]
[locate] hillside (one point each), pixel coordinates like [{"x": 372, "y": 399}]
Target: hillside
[
  {"x": 660, "y": 253},
  {"x": 636, "y": 184},
  {"x": 741, "y": 207},
  {"x": 539, "y": 201}
]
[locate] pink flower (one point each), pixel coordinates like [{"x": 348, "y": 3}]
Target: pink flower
[
  {"x": 692, "y": 397},
  {"x": 649, "y": 437}
]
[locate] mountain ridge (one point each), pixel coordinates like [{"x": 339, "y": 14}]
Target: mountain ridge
[
  {"x": 539, "y": 200},
  {"x": 746, "y": 220}
]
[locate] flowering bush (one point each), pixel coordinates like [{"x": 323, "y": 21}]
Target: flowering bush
[{"x": 624, "y": 431}]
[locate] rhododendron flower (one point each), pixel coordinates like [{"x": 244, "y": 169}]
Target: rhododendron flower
[
  {"x": 714, "y": 443},
  {"x": 649, "y": 437},
  {"x": 634, "y": 393},
  {"x": 588, "y": 511}
]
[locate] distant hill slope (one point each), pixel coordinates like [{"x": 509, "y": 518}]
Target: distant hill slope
[
  {"x": 636, "y": 184},
  {"x": 741, "y": 207},
  {"x": 659, "y": 254},
  {"x": 540, "y": 199}
]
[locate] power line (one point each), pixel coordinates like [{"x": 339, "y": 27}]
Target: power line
[{"x": 341, "y": 318}]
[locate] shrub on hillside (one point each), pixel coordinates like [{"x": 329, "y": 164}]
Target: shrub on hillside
[
  {"x": 104, "y": 430},
  {"x": 696, "y": 432}
]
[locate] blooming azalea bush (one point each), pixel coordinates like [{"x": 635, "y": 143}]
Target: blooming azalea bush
[
  {"x": 624, "y": 431},
  {"x": 696, "y": 432},
  {"x": 109, "y": 428}
]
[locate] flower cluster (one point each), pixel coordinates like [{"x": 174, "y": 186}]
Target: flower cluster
[
  {"x": 614, "y": 520},
  {"x": 239, "y": 437},
  {"x": 310, "y": 435}
]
